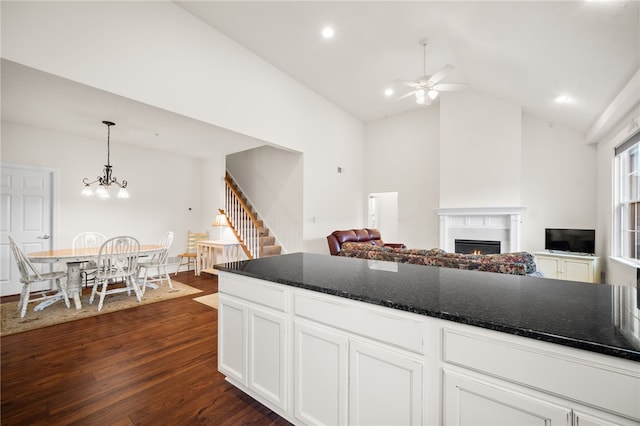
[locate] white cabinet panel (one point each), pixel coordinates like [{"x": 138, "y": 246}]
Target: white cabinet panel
[
  {"x": 385, "y": 386},
  {"x": 267, "y": 355},
  {"x": 320, "y": 375},
  {"x": 602, "y": 419},
  {"x": 232, "y": 339},
  {"x": 471, "y": 402}
]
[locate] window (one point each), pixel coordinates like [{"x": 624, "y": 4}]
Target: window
[{"x": 627, "y": 218}]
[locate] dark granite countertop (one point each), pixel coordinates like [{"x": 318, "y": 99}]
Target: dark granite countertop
[{"x": 579, "y": 315}]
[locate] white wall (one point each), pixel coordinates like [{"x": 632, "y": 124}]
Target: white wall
[
  {"x": 554, "y": 168},
  {"x": 402, "y": 155},
  {"x": 559, "y": 181},
  {"x": 480, "y": 151},
  {"x": 271, "y": 179},
  {"x": 157, "y": 53},
  {"x": 163, "y": 187}
]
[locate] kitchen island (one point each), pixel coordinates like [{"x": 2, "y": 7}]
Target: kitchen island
[{"x": 324, "y": 339}]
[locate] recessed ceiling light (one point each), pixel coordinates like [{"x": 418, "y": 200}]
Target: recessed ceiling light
[
  {"x": 562, "y": 99},
  {"x": 328, "y": 32},
  {"x": 388, "y": 92}
]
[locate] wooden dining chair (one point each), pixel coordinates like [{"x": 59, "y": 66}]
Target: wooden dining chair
[
  {"x": 159, "y": 262},
  {"x": 83, "y": 241},
  {"x": 190, "y": 254},
  {"x": 30, "y": 275},
  {"x": 117, "y": 264}
]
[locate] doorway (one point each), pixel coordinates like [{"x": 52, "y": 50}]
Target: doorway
[
  {"x": 383, "y": 214},
  {"x": 27, "y": 216}
]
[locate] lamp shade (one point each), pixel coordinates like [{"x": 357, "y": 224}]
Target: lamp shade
[{"x": 220, "y": 220}]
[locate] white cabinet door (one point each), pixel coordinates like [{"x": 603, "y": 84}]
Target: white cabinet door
[
  {"x": 602, "y": 419},
  {"x": 472, "y": 402},
  {"x": 320, "y": 375},
  {"x": 268, "y": 355},
  {"x": 385, "y": 386},
  {"x": 550, "y": 266},
  {"x": 577, "y": 270},
  {"x": 232, "y": 338}
]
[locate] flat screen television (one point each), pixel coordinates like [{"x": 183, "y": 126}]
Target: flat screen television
[{"x": 571, "y": 240}]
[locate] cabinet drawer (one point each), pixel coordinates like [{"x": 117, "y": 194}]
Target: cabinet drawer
[
  {"x": 256, "y": 291},
  {"x": 385, "y": 325},
  {"x": 511, "y": 358}
]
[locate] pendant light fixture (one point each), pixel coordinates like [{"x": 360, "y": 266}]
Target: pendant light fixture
[{"x": 104, "y": 182}]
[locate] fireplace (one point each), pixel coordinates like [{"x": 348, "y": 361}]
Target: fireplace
[
  {"x": 481, "y": 223},
  {"x": 477, "y": 246}
]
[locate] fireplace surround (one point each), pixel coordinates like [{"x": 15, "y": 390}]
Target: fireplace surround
[{"x": 501, "y": 224}]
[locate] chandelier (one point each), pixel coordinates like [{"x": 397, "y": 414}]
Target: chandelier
[{"x": 104, "y": 182}]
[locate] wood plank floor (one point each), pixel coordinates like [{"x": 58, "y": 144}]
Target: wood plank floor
[{"x": 150, "y": 365}]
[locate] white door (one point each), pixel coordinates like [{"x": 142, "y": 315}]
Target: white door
[
  {"x": 25, "y": 215},
  {"x": 383, "y": 214}
]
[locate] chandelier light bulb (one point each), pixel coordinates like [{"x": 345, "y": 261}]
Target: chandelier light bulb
[
  {"x": 123, "y": 193},
  {"x": 420, "y": 97},
  {"x": 102, "y": 192},
  {"x": 87, "y": 191},
  {"x": 433, "y": 94}
]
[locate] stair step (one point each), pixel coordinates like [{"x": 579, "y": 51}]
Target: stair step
[
  {"x": 267, "y": 240},
  {"x": 273, "y": 250}
]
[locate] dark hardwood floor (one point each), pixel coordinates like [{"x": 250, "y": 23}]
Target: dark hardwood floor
[{"x": 151, "y": 365}]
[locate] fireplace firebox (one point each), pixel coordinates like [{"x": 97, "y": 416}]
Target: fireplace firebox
[{"x": 477, "y": 247}]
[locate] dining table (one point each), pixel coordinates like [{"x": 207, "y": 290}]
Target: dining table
[{"x": 73, "y": 259}]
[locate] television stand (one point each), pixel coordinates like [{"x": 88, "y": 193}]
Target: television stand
[{"x": 569, "y": 266}]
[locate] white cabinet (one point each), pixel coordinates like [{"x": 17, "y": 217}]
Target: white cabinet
[
  {"x": 320, "y": 359},
  {"x": 488, "y": 377},
  {"x": 343, "y": 375},
  {"x": 267, "y": 351},
  {"x": 476, "y": 400},
  {"x": 570, "y": 267},
  {"x": 320, "y": 375},
  {"x": 252, "y": 339},
  {"x": 385, "y": 386},
  {"x": 469, "y": 401}
]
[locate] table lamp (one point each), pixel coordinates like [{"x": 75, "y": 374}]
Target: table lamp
[{"x": 220, "y": 222}]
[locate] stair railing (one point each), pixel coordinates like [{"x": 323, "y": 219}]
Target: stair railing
[{"x": 241, "y": 220}]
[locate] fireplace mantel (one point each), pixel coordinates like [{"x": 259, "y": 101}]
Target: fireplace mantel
[{"x": 499, "y": 223}]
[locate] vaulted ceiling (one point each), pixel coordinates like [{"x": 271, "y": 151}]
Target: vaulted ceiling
[{"x": 525, "y": 52}]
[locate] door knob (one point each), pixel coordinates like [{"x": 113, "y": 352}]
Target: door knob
[{"x": 44, "y": 237}]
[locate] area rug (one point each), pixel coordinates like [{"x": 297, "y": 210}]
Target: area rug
[
  {"x": 57, "y": 313},
  {"x": 210, "y": 300}
]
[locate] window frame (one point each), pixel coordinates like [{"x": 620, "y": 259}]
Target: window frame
[{"x": 627, "y": 201}]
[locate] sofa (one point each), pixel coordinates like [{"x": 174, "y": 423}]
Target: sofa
[
  {"x": 367, "y": 244},
  {"x": 363, "y": 236}
]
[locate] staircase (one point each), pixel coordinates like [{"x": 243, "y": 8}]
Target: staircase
[{"x": 255, "y": 239}]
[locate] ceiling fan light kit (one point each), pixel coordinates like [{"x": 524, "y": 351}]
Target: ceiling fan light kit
[{"x": 426, "y": 88}]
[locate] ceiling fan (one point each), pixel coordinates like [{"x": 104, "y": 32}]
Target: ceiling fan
[{"x": 427, "y": 87}]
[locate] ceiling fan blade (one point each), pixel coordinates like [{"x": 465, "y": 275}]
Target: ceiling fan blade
[
  {"x": 440, "y": 74},
  {"x": 448, "y": 87},
  {"x": 411, "y": 84},
  {"x": 406, "y": 95}
]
